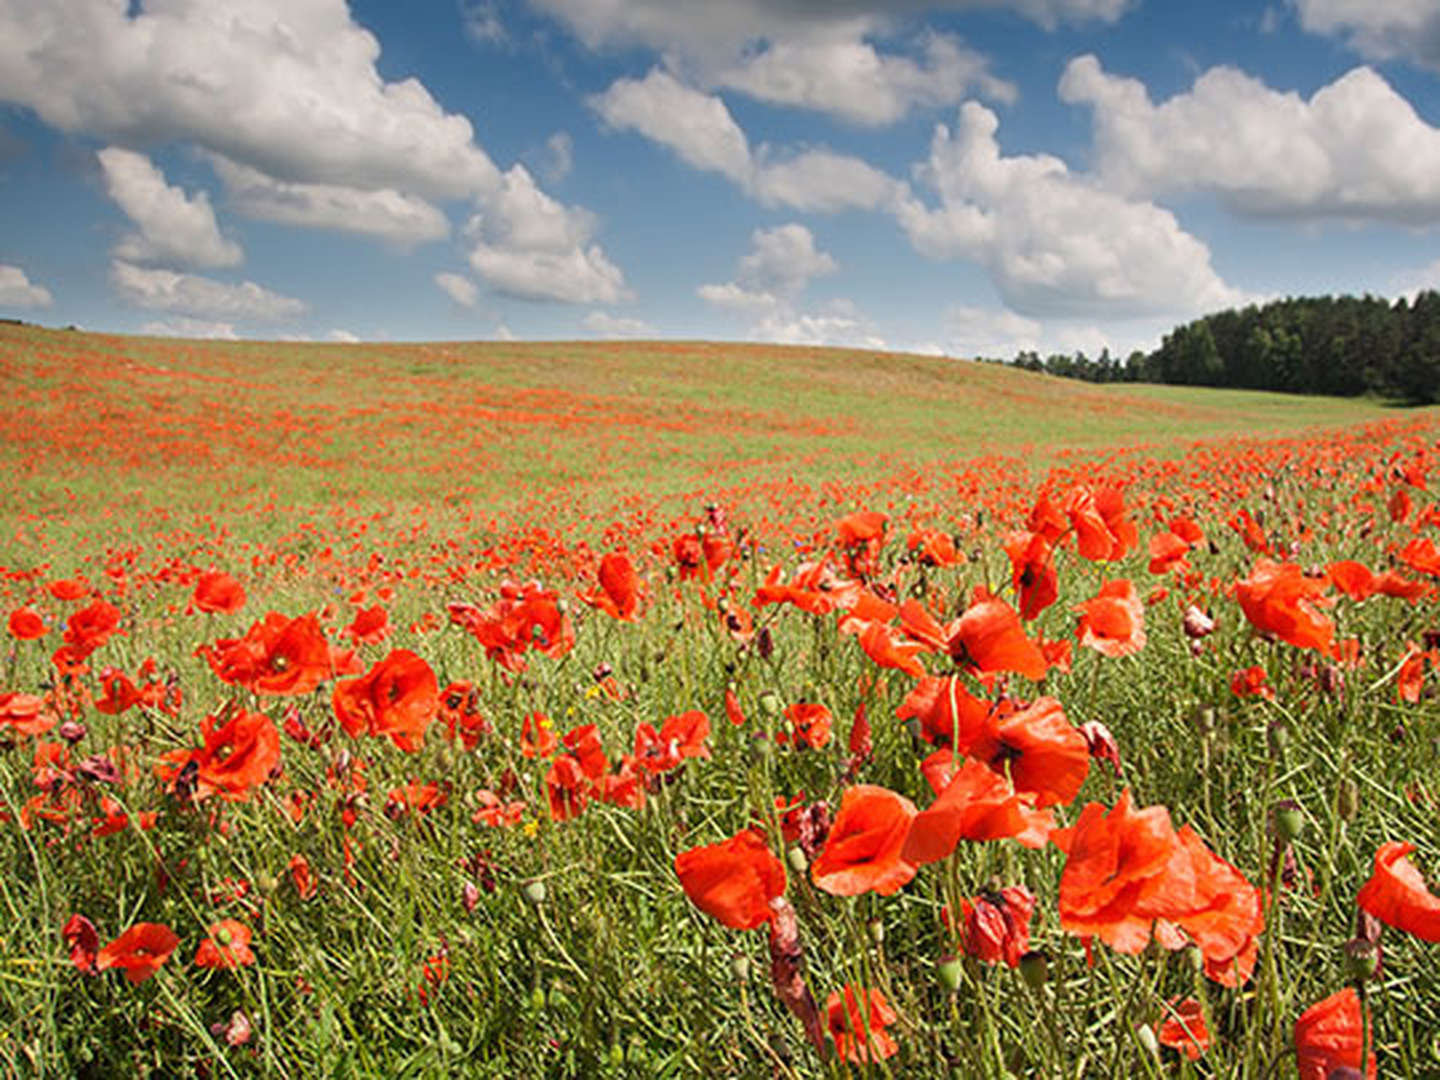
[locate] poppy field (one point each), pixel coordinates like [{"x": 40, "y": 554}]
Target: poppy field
[{"x": 669, "y": 709}]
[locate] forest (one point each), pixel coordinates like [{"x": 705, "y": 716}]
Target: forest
[{"x": 1343, "y": 346}]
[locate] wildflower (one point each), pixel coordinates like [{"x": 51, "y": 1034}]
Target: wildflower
[
  {"x": 733, "y": 881},
  {"x": 1328, "y": 1038},
  {"x": 1396, "y": 893},
  {"x": 862, "y": 852},
  {"x": 226, "y": 945},
  {"x": 139, "y": 951},
  {"x": 857, "y": 1019}
]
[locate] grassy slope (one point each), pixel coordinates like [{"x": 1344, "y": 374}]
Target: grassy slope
[{"x": 109, "y": 417}]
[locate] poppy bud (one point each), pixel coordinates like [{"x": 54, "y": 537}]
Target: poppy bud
[
  {"x": 876, "y": 927},
  {"x": 537, "y": 998},
  {"x": 1196, "y": 958},
  {"x": 760, "y": 749},
  {"x": 740, "y": 966},
  {"x": 1362, "y": 960},
  {"x": 1035, "y": 969},
  {"x": 771, "y": 704},
  {"x": 764, "y": 643},
  {"x": 535, "y": 892},
  {"x": 617, "y": 1055},
  {"x": 1347, "y": 799},
  {"x": 948, "y": 970},
  {"x": 1203, "y": 717},
  {"x": 796, "y": 858},
  {"x": 1197, "y": 623},
  {"x": 266, "y": 884},
  {"x": 1147, "y": 1038},
  {"x": 1289, "y": 821},
  {"x": 1278, "y": 737},
  {"x": 72, "y": 731}
]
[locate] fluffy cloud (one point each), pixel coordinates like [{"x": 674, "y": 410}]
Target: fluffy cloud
[
  {"x": 999, "y": 334},
  {"x": 1053, "y": 243},
  {"x": 1408, "y": 29},
  {"x": 191, "y": 294},
  {"x": 705, "y": 30},
  {"x": 847, "y": 77},
  {"x": 174, "y": 227},
  {"x": 1355, "y": 150},
  {"x": 769, "y": 280},
  {"x": 17, "y": 290},
  {"x": 603, "y": 324},
  {"x": 529, "y": 246},
  {"x": 696, "y": 126},
  {"x": 384, "y": 213},
  {"x": 702, "y": 133},
  {"x": 458, "y": 287},
  {"x": 182, "y": 327},
  {"x": 288, "y": 87}
]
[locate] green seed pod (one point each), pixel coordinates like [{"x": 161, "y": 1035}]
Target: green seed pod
[
  {"x": 796, "y": 858},
  {"x": 770, "y": 703},
  {"x": 1347, "y": 799},
  {"x": 535, "y": 892},
  {"x": 876, "y": 927},
  {"x": 1362, "y": 960},
  {"x": 740, "y": 965},
  {"x": 1035, "y": 969},
  {"x": 1289, "y": 821},
  {"x": 1147, "y": 1038},
  {"x": 949, "y": 971}
]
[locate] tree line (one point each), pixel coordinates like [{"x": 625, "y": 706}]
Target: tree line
[{"x": 1344, "y": 346}]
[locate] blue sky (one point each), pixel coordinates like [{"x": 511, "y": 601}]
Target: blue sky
[{"x": 959, "y": 176}]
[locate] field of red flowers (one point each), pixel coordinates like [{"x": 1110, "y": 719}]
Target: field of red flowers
[{"x": 656, "y": 710}]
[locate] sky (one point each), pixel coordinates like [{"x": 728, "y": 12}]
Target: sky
[{"x": 966, "y": 177}]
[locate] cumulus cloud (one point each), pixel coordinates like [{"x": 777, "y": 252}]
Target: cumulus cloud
[
  {"x": 458, "y": 287},
  {"x": 343, "y": 337},
  {"x": 605, "y": 325},
  {"x": 181, "y": 326},
  {"x": 1354, "y": 150},
  {"x": 384, "y": 213},
  {"x": 288, "y": 87},
  {"x": 1052, "y": 242},
  {"x": 191, "y": 294},
  {"x": 846, "y": 76},
  {"x": 699, "y": 129},
  {"x": 18, "y": 291},
  {"x": 996, "y": 333},
  {"x": 1404, "y": 29},
  {"x": 706, "y": 31},
  {"x": 695, "y": 125},
  {"x": 174, "y": 227},
  {"x": 529, "y": 246},
  {"x": 769, "y": 281}
]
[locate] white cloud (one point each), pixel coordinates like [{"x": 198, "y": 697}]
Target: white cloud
[
  {"x": 504, "y": 333},
  {"x": 717, "y": 32},
  {"x": 1412, "y": 282},
  {"x": 822, "y": 181},
  {"x": 529, "y": 246},
  {"x": 17, "y": 290},
  {"x": 996, "y": 333},
  {"x": 1355, "y": 150},
  {"x": 1408, "y": 29},
  {"x": 191, "y": 294},
  {"x": 174, "y": 227},
  {"x": 839, "y": 323},
  {"x": 288, "y": 87},
  {"x": 344, "y": 337},
  {"x": 702, "y": 133},
  {"x": 697, "y": 126},
  {"x": 383, "y": 213},
  {"x": 783, "y": 261},
  {"x": 735, "y": 298},
  {"x": 559, "y": 157},
  {"x": 182, "y": 327},
  {"x": 1053, "y": 243},
  {"x": 846, "y": 76},
  {"x": 605, "y": 325},
  {"x": 458, "y": 287}
]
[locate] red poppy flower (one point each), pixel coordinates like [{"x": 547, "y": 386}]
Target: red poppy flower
[
  {"x": 299, "y": 867},
  {"x": 1279, "y": 599},
  {"x": 857, "y": 1019},
  {"x": 811, "y": 723},
  {"x": 459, "y": 711},
  {"x": 1354, "y": 579},
  {"x": 278, "y": 656},
  {"x": 884, "y": 645},
  {"x": 949, "y": 715},
  {"x": 26, "y": 713},
  {"x": 566, "y": 788},
  {"x": 734, "y": 880},
  {"x": 1396, "y": 893},
  {"x": 861, "y": 528},
  {"x": 79, "y": 933},
  {"x": 1328, "y": 1037},
  {"x": 226, "y": 945},
  {"x": 862, "y": 852},
  {"x": 91, "y": 627},
  {"x": 996, "y": 926},
  {"x": 69, "y": 589},
  {"x": 1250, "y": 682},
  {"x": 26, "y": 625},
  {"x": 1167, "y": 552},
  {"x": 1102, "y": 531},
  {"x": 931, "y": 547},
  {"x": 139, "y": 951},
  {"x": 1042, "y": 752},
  {"x": 1032, "y": 572},
  {"x": 241, "y": 749},
  {"x": 1113, "y": 621},
  {"x": 369, "y": 627},
  {"x": 976, "y": 804},
  {"x": 1421, "y": 556},
  {"x": 988, "y": 637},
  {"x": 733, "y": 712},
  {"x": 537, "y": 736},
  {"x": 1184, "y": 1028},
  {"x": 218, "y": 593},
  {"x": 398, "y": 697},
  {"x": 618, "y": 590}
]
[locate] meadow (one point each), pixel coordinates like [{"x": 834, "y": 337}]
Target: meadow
[{"x": 659, "y": 709}]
